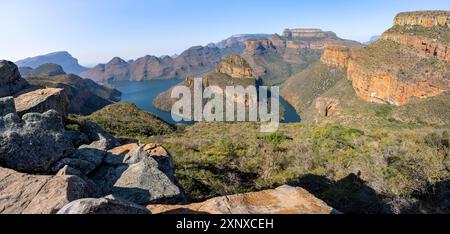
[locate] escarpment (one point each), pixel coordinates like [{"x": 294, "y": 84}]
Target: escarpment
[
  {"x": 410, "y": 61},
  {"x": 425, "y": 19}
]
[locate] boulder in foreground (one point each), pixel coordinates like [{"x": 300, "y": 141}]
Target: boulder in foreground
[
  {"x": 106, "y": 205},
  {"x": 283, "y": 200}
]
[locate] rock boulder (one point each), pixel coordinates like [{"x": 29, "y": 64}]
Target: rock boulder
[
  {"x": 10, "y": 80},
  {"x": 106, "y": 205},
  {"x": 283, "y": 200},
  {"x": 38, "y": 194},
  {"x": 42, "y": 100}
]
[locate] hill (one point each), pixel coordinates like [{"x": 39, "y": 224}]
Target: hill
[{"x": 63, "y": 58}]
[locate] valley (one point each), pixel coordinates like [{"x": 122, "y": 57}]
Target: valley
[{"x": 365, "y": 128}]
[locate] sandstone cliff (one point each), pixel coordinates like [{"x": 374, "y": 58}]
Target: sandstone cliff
[{"x": 410, "y": 61}]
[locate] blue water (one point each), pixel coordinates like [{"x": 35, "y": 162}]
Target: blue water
[{"x": 142, "y": 94}]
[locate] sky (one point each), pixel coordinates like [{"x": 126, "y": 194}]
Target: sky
[{"x": 94, "y": 31}]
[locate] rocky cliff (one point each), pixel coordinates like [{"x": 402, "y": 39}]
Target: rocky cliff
[
  {"x": 425, "y": 19},
  {"x": 410, "y": 61},
  {"x": 276, "y": 57},
  {"x": 336, "y": 56}
]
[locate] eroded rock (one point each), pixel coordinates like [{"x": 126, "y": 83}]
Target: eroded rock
[
  {"x": 38, "y": 194},
  {"x": 34, "y": 143},
  {"x": 42, "y": 100}
]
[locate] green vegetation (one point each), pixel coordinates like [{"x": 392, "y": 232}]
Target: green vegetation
[
  {"x": 124, "y": 120},
  {"x": 214, "y": 159}
]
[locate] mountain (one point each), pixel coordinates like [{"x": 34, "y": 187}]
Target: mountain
[
  {"x": 372, "y": 40},
  {"x": 85, "y": 96},
  {"x": 232, "y": 70},
  {"x": 274, "y": 58},
  {"x": 47, "y": 69},
  {"x": 404, "y": 77},
  {"x": 197, "y": 60},
  {"x": 63, "y": 58}
]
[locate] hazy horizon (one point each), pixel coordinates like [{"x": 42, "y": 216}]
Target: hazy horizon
[{"x": 94, "y": 31}]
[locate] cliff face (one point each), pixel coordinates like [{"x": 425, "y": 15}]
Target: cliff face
[
  {"x": 425, "y": 46},
  {"x": 336, "y": 56},
  {"x": 410, "y": 61},
  {"x": 276, "y": 57},
  {"x": 426, "y": 19}
]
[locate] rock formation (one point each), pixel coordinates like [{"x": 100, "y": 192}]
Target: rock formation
[
  {"x": 283, "y": 200},
  {"x": 38, "y": 144},
  {"x": 336, "y": 56},
  {"x": 410, "y": 61},
  {"x": 38, "y": 194},
  {"x": 107, "y": 205},
  {"x": 10, "y": 80},
  {"x": 326, "y": 106},
  {"x": 276, "y": 58},
  {"x": 33, "y": 143},
  {"x": 233, "y": 65},
  {"x": 425, "y": 19},
  {"x": 236, "y": 67},
  {"x": 42, "y": 100}
]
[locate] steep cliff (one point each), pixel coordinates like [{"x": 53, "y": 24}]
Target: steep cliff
[{"x": 276, "y": 57}]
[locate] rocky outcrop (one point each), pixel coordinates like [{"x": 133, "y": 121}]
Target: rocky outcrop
[
  {"x": 62, "y": 58},
  {"x": 7, "y": 106},
  {"x": 425, "y": 19},
  {"x": 10, "y": 80},
  {"x": 38, "y": 194},
  {"x": 42, "y": 100},
  {"x": 326, "y": 106},
  {"x": 106, "y": 205},
  {"x": 283, "y": 200},
  {"x": 336, "y": 56},
  {"x": 141, "y": 174},
  {"x": 236, "y": 67},
  {"x": 425, "y": 46},
  {"x": 33, "y": 143}
]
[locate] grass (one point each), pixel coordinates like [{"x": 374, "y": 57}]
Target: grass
[
  {"x": 214, "y": 159},
  {"x": 123, "y": 120}
]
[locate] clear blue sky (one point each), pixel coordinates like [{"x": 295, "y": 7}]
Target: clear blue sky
[{"x": 97, "y": 30}]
